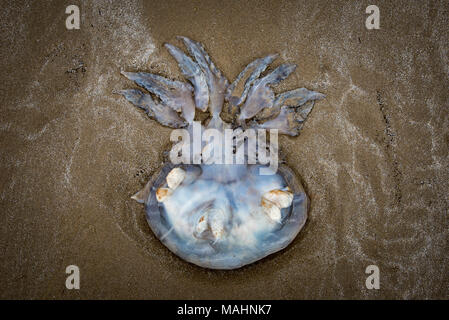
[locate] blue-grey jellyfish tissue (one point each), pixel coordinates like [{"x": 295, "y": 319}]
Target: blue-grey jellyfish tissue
[{"x": 223, "y": 216}]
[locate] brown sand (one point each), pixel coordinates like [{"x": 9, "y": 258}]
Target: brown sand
[{"x": 373, "y": 156}]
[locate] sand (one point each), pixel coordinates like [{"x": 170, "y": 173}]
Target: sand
[{"x": 373, "y": 156}]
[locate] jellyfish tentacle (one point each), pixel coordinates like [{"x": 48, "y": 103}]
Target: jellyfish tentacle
[
  {"x": 253, "y": 96},
  {"x": 293, "y": 98},
  {"x": 216, "y": 82},
  {"x": 138, "y": 99},
  {"x": 174, "y": 94},
  {"x": 297, "y": 97},
  {"x": 236, "y": 93},
  {"x": 167, "y": 90},
  {"x": 260, "y": 95},
  {"x": 285, "y": 122},
  {"x": 289, "y": 121},
  {"x": 158, "y": 111},
  {"x": 196, "y": 49},
  {"x": 304, "y": 110},
  {"x": 194, "y": 74}
]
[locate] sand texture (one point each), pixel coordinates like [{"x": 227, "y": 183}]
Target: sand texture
[{"x": 373, "y": 156}]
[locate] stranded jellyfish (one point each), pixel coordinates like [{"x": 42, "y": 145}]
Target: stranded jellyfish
[{"x": 222, "y": 201}]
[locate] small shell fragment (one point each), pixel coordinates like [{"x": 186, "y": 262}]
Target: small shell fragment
[
  {"x": 163, "y": 193},
  {"x": 217, "y": 227},
  {"x": 210, "y": 226},
  {"x": 282, "y": 199},
  {"x": 175, "y": 178},
  {"x": 271, "y": 210},
  {"x": 202, "y": 225}
]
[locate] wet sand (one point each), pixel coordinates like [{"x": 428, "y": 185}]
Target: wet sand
[{"x": 373, "y": 156}]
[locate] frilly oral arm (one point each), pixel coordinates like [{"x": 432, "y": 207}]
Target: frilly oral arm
[
  {"x": 260, "y": 95},
  {"x": 194, "y": 74},
  {"x": 289, "y": 121},
  {"x": 238, "y": 90},
  {"x": 216, "y": 82},
  {"x": 174, "y": 94},
  {"x": 293, "y": 98},
  {"x": 163, "y": 114}
]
